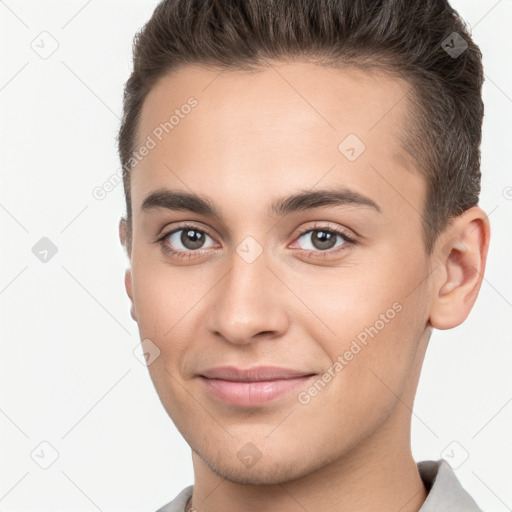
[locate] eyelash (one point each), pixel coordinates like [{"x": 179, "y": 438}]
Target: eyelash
[{"x": 162, "y": 241}]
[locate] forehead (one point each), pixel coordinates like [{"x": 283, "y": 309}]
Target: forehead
[
  {"x": 284, "y": 125},
  {"x": 271, "y": 97}
]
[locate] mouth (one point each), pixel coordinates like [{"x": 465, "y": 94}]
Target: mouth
[{"x": 252, "y": 387}]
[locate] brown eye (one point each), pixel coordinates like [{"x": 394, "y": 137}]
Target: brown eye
[
  {"x": 323, "y": 239},
  {"x": 185, "y": 240},
  {"x": 192, "y": 238}
]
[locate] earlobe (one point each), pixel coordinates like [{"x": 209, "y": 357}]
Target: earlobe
[{"x": 460, "y": 264}]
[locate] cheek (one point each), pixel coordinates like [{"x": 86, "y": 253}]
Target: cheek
[
  {"x": 163, "y": 298},
  {"x": 376, "y": 321},
  {"x": 366, "y": 379},
  {"x": 349, "y": 304},
  {"x": 163, "y": 313}
]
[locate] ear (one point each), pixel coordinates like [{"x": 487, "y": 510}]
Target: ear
[
  {"x": 459, "y": 258},
  {"x": 129, "y": 291},
  {"x": 128, "y": 273},
  {"x": 123, "y": 233}
]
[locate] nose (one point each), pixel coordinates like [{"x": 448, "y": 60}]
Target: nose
[{"x": 249, "y": 303}]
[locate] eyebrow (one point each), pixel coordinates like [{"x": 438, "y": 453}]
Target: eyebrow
[{"x": 300, "y": 201}]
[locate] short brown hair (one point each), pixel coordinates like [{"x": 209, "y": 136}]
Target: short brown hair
[{"x": 423, "y": 41}]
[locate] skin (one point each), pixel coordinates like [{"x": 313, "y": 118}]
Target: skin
[{"x": 251, "y": 139}]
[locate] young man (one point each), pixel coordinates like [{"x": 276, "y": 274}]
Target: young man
[{"x": 302, "y": 183}]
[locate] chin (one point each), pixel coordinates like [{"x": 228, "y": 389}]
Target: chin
[{"x": 271, "y": 471}]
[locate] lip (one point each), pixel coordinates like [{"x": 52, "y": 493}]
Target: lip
[{"x": 252, "y": 386}]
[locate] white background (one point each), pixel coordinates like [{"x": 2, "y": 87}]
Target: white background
[{"x": 68, "y": 373}]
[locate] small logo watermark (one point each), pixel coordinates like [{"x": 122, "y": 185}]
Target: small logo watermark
[
  {"x": 455, "y": 454},
  {"x": 44, "y": 45},
  {"x": 44, "y": 250},
  {"x": 454, "y": 45},
  {"x": 44, "y": 455},
  {"x": 351, "y": 147},
  {"x": 249, "y": 454},
  {"x": 249, "y": 249},
  {"x": 146, "y": 352}
]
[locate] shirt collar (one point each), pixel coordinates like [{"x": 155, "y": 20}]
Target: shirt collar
[{"x": 445, "y": 490}]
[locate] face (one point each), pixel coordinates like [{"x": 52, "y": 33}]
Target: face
[{"x": 330, "y": 287}]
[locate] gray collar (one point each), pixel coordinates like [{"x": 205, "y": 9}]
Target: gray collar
[{"x": 445, "y": 490}]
